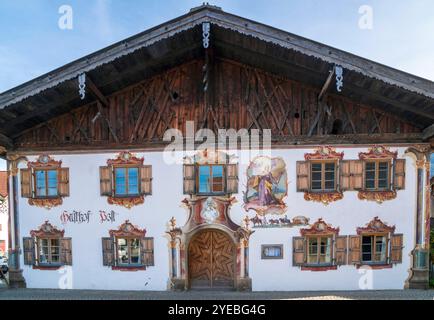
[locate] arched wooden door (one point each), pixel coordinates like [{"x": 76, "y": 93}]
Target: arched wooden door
[{"x": 211, "y": 261}]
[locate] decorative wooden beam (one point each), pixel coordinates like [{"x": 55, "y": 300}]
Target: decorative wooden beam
[
  {"x": 428, "y": 133},
  {"x": 6, "y": 141},
  {"x": 326, "y": 84}
]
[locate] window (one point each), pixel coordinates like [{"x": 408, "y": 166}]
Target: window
[
  {"x": 126, "y": 181},
  {"x": 47, "y": 248},
  {"x": 49, "y": 251},
  {"x": 377, "y": 175},
  {"x": 128, "y": 251},
  {"x": 374, "y": 249},
  {"x": 323, "y": 176},
  {"x": 213, "y": 179},
  {"x": 210, "y": 179},
  {"x": 46, "y": 183},
  {"x": 272, "y": 251},
  {"x": 319, "y": 250}
]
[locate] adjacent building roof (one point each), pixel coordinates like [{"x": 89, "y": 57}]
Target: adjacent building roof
[{"x": 232, "y": 37}]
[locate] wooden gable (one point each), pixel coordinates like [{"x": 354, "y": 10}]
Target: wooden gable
[{"x": 241, "y": 97}]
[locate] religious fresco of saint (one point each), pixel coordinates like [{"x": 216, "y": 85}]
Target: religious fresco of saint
[{"x": 267, "y": 186}]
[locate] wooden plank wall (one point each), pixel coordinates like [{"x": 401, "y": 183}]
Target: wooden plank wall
[{"x": 241, "y": 97}]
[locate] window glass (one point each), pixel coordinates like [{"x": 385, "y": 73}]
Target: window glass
[
  {"x": 383, "y": 175},
  {"x": 204, "y": 179},
  {"x": 43, "y": 251},
  {"x": 41, "y": 187},
  {"x": 133, "y": 180},
  {"x": 52, "y": 182},
  {"x": 135, "y": 251},
  {"x": 316, "y": 176},
  {"x": 367, "y": 248},
  {"x": 273, "y": 251},
  {"x": 217, "y": 178},
  {"x": 122, "y": 246},
  {"x": 120, "y": 179},
  {"x": 370, "y": 175},
  {"x": 55, "y": 251}
]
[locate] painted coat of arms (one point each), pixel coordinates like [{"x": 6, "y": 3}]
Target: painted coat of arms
[{"x": 267, "y": 186}]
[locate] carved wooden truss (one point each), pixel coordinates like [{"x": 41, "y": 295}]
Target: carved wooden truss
[
  {"x": 376, "y": 226},
  {"x": 47, "y": 230},
  {"x": 319, "y": 228},
  {"x": 238, "y": 97},
  {"x": 127, "y": 229}
]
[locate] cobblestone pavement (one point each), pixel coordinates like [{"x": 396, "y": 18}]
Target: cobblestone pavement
[{"x": 50, "y": 294}]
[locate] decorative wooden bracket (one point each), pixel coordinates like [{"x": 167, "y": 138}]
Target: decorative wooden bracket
[{"x": 82, "y": 85}]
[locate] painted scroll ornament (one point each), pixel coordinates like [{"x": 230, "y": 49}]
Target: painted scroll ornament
[{"x": 267, "y": 186}]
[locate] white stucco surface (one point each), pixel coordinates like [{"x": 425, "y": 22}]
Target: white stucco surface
[{"x": 88, "y": 272}]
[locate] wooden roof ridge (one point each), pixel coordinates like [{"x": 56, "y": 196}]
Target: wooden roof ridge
[{"x": 214, "y": 15}]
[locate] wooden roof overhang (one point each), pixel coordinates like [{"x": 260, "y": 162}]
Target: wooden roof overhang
[{"x": 180, "y": 40}]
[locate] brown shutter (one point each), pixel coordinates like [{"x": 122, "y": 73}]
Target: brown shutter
[
  {"x": 64, "y": 182},
  {"x": 66, "y": 251},
  {"x": 344, "y": 179},
  {"x": 396, "y": 248},
  {"x": 146, "y": 180},
  {"x": 354, "y": 250},
  {"x": 232, "y": 178},
  {"x": 108, "y": 252},
  {"x": 298, "y": 251},
  {"x": 147, "y": 246},
  {"x": 399, "y": 174},
  {"x": 29, "y": 251},
  {"x": 189, "y": 179},
  {"x": 351, "y": 175},
  {"x": 26, "y": 183},
  {"x": 341, "y": 250},
  {"x": 302, "y": 176},
  {"x": 105, "y": 176}
]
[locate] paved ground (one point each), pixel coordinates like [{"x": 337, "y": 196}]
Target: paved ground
[{"x": 49, "y": 294}]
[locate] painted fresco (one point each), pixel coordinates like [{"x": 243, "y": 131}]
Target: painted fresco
[{"x": 267, "y": 186}]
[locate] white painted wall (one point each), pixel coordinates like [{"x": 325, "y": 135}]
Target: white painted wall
[{"x": 87, "y": 270}]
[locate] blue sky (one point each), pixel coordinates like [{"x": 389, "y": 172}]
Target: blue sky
[{"x": 31, "y": 43}]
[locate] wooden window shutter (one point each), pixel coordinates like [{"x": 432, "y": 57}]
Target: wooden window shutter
[
  {"x": 303, "y": 176},
  {"x": 298, "y": 251},
  {"x": 29, "y": 251},
  {"x": 189, "y": 179},
  {"x": 105, "y": 176},
  {"x": 399, "y": 174},
  {"x": 108, "y": 252},
  {"x": 26, "y": 183},
  {"x": 232, "y": 178},
  {"x": 355, "y": 250},
  {"x": 147, "y": 246},
  {"x": 64, "y": 182},
  {"x": 341, "y": 250},
  {"x": 345, "y": 174},
  {"x": 396, "y": 248},
  {"x": 66, "y": 251},
  {"x": 351, "y": 175},
  {"x": 146, "y": 180}
]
